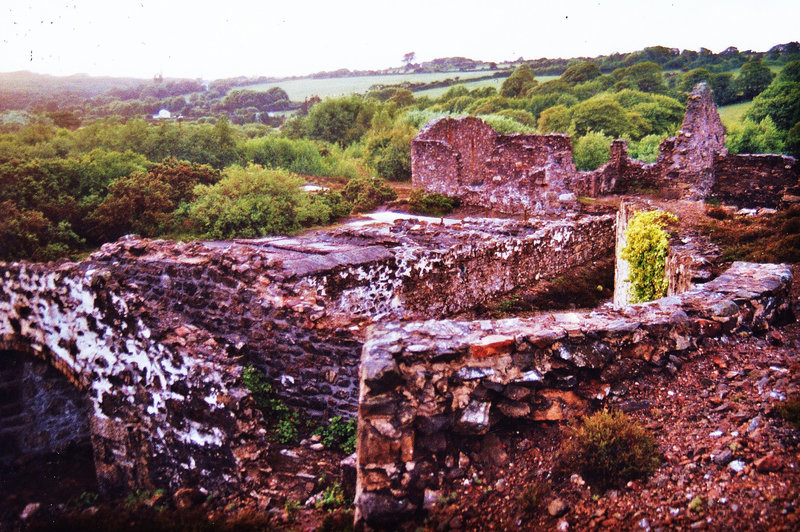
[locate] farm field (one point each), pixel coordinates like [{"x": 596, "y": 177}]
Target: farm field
[
  {"x": 300, "y": 89},
  {"x": 496, "y": 83},
  {"x": 732, "y": 114}
]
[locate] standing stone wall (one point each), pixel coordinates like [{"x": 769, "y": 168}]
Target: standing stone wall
[
  {"x": 428, "y": 386},
  {"x": 754, "y": 180},
  {"x": 536, "y": 173}
]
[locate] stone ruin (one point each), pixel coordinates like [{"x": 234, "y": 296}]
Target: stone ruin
[
  {"x": 140, "y": 348},
  {"x": 466, "y": 158}
]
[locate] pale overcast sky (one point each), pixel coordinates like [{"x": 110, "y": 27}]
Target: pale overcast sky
[{"x": 193, "y": 38}]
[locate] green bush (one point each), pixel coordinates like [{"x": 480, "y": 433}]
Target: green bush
[
  {"x": 591, "y": 150},
  {"x": 750, "y": 137},
  {"x": 646, "y": 149},
  {"x": 431, "y": 203},
  {"x": 367, "y": 193},
  {"x": 339, "y": 434},
  {"x": 254, "y": 202},
  {"x": 301, "y": 156},
  {"x": 646, "y": 252},
  {"x": 609, "y": 449}
]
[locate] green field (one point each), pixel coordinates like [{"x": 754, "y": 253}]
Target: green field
[
  {"x": 300, "y": 89},
  {"x": 435, "y": 93},
  {"x": 732, "y": 114}
]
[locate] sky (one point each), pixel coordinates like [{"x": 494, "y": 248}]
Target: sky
[{"x": 217, "y": 39}]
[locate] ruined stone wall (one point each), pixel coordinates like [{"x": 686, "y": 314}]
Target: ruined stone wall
[
  {"x": 425, "y": 387},
  {"x": 466, "y": 158},
  {"x": 754, "y": 180},
  {"x": 154, "y": 334},
  {"x": 40, "y": 411},
  {"x": 161, "y": 414}
]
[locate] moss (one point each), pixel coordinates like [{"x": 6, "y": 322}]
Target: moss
[
  {"x": 531, "y": 498},
  {"x": 431, "y": 203}
]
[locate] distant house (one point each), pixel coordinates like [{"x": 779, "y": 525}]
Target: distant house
[{"x": 162, "y": 115}]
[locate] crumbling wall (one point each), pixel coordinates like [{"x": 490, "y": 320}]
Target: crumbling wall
[
  {"x": 466, "y": 158},
  {"x": 754, "y": 180},
  {"x": 154, "y": 334},
  {"x": 40, "y": 410},
  {"x": 427, "y": 386}
]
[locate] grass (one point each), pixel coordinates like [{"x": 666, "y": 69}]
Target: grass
[
  {"x": 733, "y": 114},
  {"x": 771, "y": 238},
  {"x": 300, "y": 89}
]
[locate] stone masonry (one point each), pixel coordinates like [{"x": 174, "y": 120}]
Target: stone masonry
[
  {"x": 425, "y": 386},
  {"x": 153, "y": 335},
  {"x": 466, "y": 158}
]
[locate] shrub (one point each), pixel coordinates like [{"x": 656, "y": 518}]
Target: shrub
[
  {"x": 608, "y": 449},
  {"x": 253, "y": 202},
  {"x": 333, "y": 497},
  {"x": 366, "y": 193},
  {"x": 339, "y": 434},
  {"x": 431, "y": 203},
  {"x": 592, "y": 151},
  {"x": 646, "y": 252}
]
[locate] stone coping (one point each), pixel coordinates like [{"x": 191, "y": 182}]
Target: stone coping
[{"x": 424, "y": 385}]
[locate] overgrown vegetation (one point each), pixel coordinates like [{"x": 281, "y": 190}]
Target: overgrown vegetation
[
  {"x": 431, "y": 203},
  {"x": 608, "y": 449},
  {"x": 283, "y": 421},
  {"x": 366, "y": 193},
  {"x": 768, "y": 238},
  {"x": 339, "y": 434},
  {"x": 646, "y": 251}
]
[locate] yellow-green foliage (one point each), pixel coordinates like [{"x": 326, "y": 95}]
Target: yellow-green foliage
[
  {"x": 608, "y": 449},
  {"x": 646, "y": 252}
]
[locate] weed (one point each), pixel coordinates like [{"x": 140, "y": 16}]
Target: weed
[
  {"x": 333, "y": 497},
  {"x": 285, "y": 422},
  {"x": 789, "y": 410},
  {"x": 697, "y": 504},
  {"x": 339, "y": 434},
  {"x": 291, "y": 507},
  {"x": 450, "y": 498},
  {"x": 608, "y": 449},
  {"x": 531, "y": 498}
]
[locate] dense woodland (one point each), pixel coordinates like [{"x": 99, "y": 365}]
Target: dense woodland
[{"x": 82, "y": 162}]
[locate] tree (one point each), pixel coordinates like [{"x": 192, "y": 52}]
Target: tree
[
  {"x": 341, "y": 120},
  {"x": 600, "y": 113},
  {"x": 409, "y": 58},
  {"x": 591, "y": 151},
  {"x": 753, "y": 78},
  {"x": 518, "y": 82},
  {"x": 139, "y": 204},
  {"x": 780, "y": 101},
  {"x": 580, "y": 72},
  {"x": 555, "y": 119}
]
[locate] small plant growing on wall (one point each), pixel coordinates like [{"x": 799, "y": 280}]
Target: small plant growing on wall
[
  {"x": 284, "y": 422},
  {"x": 646, "y": 252}
]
